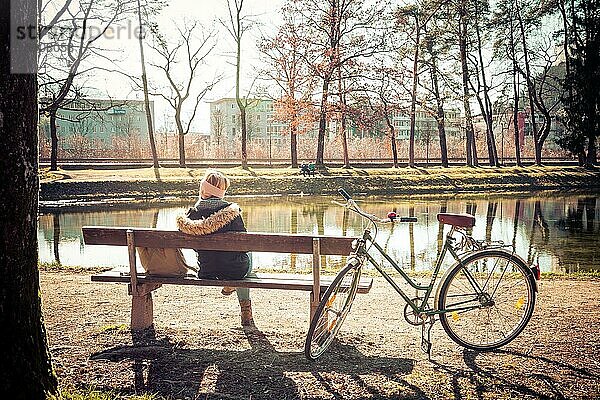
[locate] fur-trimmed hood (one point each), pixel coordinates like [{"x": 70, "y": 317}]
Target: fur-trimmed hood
[{"x": 210, "y": 224}]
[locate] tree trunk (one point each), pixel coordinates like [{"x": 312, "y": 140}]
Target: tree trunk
[
  {"x": 471, "y": 146},
  {"x": 517, "y": 139},
  {"x": 530, "y": 91},
  {"x": 345, "y": 143},
  {"x": 592, "y": 152},
  {"x": 53, "y": 142},
  {"x": 241, "y": 105},
  {"x": 181, "y": 141},
  {"x": 342, "y": 97},
  {"x": 441, "y": 116},
  {"x": 513, "y": 56},
  {"x": 180, "y": 137},
  {"x": 244, "y": 138},
  {"x": 392, "y": 139},
  {"x": 322, "y": 124},
  {"x": 294, "y": 146},
  {"x": 145, "y": 86},
  {"x": 486, "y": 104},
  {"x": 394, "y": 146},
  {"x": 411, "y": 240},
  {"x": 26, "y": 371},
  {"x": 413, "y": 97}
]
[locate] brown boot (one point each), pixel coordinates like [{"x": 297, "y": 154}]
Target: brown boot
[
  {"x": 246, "y": 312},
  {"x": 227, "y": 290}
]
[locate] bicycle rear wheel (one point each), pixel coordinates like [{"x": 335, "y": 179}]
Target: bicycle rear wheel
[
  {"x": 488, "y": 298},
  {"x": 332, "y": 310}
]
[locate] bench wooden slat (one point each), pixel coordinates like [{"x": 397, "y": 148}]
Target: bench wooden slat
[
  {"x": 246, "y": 241},
  {"x": 264, "y": 282},
  {"x": 141, "y": 285}
]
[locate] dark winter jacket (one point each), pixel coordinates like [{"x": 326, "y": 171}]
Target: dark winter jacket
[{"x": 211, "y": 216}]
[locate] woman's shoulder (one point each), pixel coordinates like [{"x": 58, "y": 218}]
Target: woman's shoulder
[
  {"x": 205, "y": 207},
  {"x": 203, "y": 219}
]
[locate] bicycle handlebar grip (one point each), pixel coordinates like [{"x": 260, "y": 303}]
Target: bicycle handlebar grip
[
  {"x": 344, "y": 194},
  {"x": 408, "y": 219}
]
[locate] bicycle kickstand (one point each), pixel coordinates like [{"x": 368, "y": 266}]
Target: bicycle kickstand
[{"x": 426, "y": 336}]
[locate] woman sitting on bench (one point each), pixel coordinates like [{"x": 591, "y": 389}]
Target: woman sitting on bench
[{"x": 212, "y": 214}]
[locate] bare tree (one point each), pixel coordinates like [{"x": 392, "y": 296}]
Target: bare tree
[
  {"x": 217, "y": 123},
  {"x": 464, "y": 16},
  {"x": 507, "y": 44},
  {"x": 337, "y": 33},
  {"x": 65, "y": 50},
  {"x": 420, "y": 13},
  {"x": 482, "y": 90},
  {"x": 386, "y": 99},
  {"x": 435, "y": 48},
  {"x": 196, "y": 43},
  {"x": 238, "y": 24},
  {"x": 547, "y": 84},
  {"x": 541, "y": 77},
  {"x": 145, "y": 85},
  {"x": 287, "y": 67}
]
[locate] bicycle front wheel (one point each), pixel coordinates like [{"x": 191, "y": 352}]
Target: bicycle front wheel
[
  {"x": 487, "y": 299},
  {"x": 332, "y": 310}
]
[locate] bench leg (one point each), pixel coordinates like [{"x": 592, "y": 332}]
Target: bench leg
[
  {"x": 142, "y": 313},
  {"x": 142, "y": 309}
]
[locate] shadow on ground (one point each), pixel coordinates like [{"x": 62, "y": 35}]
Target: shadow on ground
[
  {"x": 497, "y": 376},
  {"x": 163, "y": 367},
  {"x": 261, "y": 372}
]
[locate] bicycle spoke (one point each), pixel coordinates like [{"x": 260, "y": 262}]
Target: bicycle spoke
[{"x": 332, "y": 311}]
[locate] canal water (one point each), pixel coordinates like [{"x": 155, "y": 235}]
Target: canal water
[{"x": 561, "y": 231}]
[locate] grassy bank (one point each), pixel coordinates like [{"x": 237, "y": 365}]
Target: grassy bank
[{"x": 147, "y": 183}]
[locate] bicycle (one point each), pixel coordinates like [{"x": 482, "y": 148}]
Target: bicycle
[{"x": 484, "y": 300}]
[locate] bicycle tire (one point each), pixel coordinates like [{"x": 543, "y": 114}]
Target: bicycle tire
[
  {"x": 321, "y": 331},
  {"x": 497, "y": 315}
]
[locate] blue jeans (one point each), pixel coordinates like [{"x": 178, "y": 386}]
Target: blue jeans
[{"x": 244, "y": 293}]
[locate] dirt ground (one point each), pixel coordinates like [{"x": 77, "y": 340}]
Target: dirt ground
[{"x": 200, "y": 350}]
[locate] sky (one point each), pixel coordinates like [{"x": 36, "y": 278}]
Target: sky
[{"x": 207, "y": 12}]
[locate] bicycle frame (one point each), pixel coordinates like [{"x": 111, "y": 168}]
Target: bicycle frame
[
  {"x": 482, "y": 280},
  {"x": 422, "y": 308}
]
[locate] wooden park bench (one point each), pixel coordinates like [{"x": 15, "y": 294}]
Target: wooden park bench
[{"x": 142, "y": 285}]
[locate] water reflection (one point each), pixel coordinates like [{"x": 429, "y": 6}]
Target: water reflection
[{"x": 560, "y": 231}]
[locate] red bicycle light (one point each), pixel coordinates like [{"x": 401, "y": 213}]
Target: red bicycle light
[
  {"x": 392, "y": 215},
  {"x": 537, "y": 273}
]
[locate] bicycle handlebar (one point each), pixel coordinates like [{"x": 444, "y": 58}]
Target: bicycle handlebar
[
  {"x": 391, "y": 217},
  {"x": 344, "y": 194},
  {"x": 408, "y": 219}
]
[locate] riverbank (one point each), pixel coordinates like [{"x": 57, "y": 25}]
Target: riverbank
[
  {"x": 148, "y": 183},
  {"x": 200, "y": 350}
]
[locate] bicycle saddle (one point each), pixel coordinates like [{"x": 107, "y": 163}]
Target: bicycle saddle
[{"x": 461, "y": 220}]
